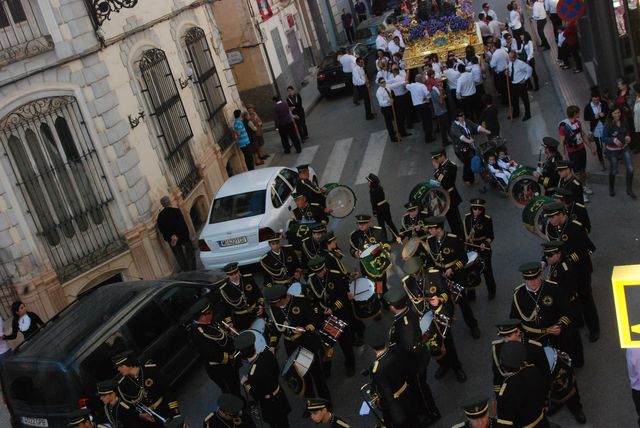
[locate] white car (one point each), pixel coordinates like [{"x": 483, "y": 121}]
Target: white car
[{"x": 247, "y": 209}]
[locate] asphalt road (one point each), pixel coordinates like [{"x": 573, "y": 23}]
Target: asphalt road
[{"x": 344, "y": 147}]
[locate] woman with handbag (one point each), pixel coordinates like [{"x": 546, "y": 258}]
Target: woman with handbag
[{"x": 462, "y": 132}]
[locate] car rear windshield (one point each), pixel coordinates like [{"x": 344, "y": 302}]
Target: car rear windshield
[
  {"x": 37, "y": 385},
  {"x": 329, "y": 62},
  {"x": 242, "y": 205},
  {"x": 363, "y": 33}
]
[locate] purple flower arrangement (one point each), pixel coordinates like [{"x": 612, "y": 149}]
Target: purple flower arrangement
[{"x": 445, "y": 20}]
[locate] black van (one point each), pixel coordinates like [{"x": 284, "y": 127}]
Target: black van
[{"x": 56, "y": 371}]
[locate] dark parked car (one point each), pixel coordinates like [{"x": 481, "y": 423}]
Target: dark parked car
[
  {"x": 330, "y": 77},
  {"x": 56, "y": 370}
]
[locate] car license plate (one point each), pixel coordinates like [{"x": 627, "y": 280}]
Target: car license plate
[
  {"x": 35, "y": 422},
  {"x": 233, "y": 241},
  {"x": 338, "y": 86}
]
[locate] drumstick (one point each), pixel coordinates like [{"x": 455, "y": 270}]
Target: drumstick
[
  {"x": 288, "y": 326},
  {"x": 477, "y": 246},
  {"x": 231, "y": 329}
]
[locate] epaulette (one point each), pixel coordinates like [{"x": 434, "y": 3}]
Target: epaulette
[
  {"x": 121, "y": 379},
  {"x": 577, "y": 222},
  {"x": 564, "y": 265},
  {"x": 247, "y": 275},
  {"x": 265, "y": 255},
  {"x": 343, "y": 424},
  {"x": 552, "y": 282},
  {"x": 315, "y": 204},
  {"x": 575, "y": 181},
  {"x": 310, "y": 275},
  {"x": 534, "y": 342},
  {"x": 460, "y": 425},
  {"x": 123, "y": 404},
  {"x": 305, "y": 239},
  {"x": 335, "y": 271},
  {"x": 209, "y": 416},
  {"x": 405, "y": 320},
  {"x": 149, "y": 363},
  {"x": 579, "y": 204},
  {"x": 453, "y": 235},
  {"x": 467, "y": 215},
  {"x": 376, "y": 227},
  {"x": 487, "y": 217},
  {"x": 433, "y": 270},
  {"x": 503, "y": 388},
  {"x": 375, "y": 367},
  {"x": 287, "y": 245}
]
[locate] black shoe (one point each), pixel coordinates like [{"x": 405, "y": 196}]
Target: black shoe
[
  {"x": 475, "y": 332},
  {"x": 594, "y": 336},
  {"x": 461, "y": 376},
  {"x": 580, "y": 417},
  {"x": 442, "y": 370},
  {"x": 406, "y": 134},
  {"x": 527, "y": 117},
  {"x": 351, "y": 371}
]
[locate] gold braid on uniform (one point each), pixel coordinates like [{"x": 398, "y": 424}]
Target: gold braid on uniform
[{"x": 534, "y": 315}]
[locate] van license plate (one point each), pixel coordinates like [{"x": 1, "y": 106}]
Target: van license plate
[
  {"x": 233, "y": 241},
  {"x": 338, "y": 86},
  {"x": 35, "y": 422}
]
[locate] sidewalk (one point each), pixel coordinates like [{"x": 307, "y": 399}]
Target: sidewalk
[
  {"x": 308, "y": 92},
  {"x": 575, "y": 89}
]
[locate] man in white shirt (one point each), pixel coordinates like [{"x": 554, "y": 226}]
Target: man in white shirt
[
  {"x": 394, "y": 45},
  {"x": 539, "y": 15},
  {"x": 515, "y": 20},
  {"x": 552, "y": 8},
  {"x": 452, "y": 75},
  {"x": 489, "y": 12},
  {"x": 385, "y": 101},
  {"x": 420, "y": 97},
  {"x": 402, "y": 99},
  {"x": 499, "y": 63},
  {"x": 381, "y": 41},
  {"x": 495, "y": 26},
  {"x": 520, "y": 73},
  {"x": 348, "y": 62},
  {"x": 397, "y": 33},
  {"x": 361, "y": 84},
  {"x": 485, "y": 31},
  {"x": 633, "y": 368},
  {"x": 466, "y": 93}
]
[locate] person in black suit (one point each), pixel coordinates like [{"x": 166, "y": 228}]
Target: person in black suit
[
  {"x": 295, "y": 104},
  {"x": 175, "y": 231}
]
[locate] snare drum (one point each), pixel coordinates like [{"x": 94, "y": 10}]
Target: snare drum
[
  {"x": 412, "y": 248},
  {"x": 431, "y": 196},
  {"x": 365, "y": 302},
  {"x": 523, "y": 186},
  {"x": 340, "y": 199},
  {"x": 533, "y": 217},
  {"x": 375, "y": 260},
  {"x": 331, "y": 330},
  {"x": 295, "y": 368},
  {"x": 563, "y": 380},
  {"x": 473, "y": 269},
  {"x": 431, "y": 337}
]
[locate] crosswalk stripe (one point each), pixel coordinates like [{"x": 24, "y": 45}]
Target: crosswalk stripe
[
  {"x": 336, "y": 161},
  {"x": 410, "y": 163},
  {"x": 372, "y": 158},
  {"x": 307, "y": 155}
]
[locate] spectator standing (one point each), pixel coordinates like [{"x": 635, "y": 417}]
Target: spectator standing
[
  {"x": 526, "y": 53},
  {"x": 573, "y": 141},
  {"x": 539, "y": 15},
  {"x": 361, "y": 83},
  {"x": 420, "y": 99},
  {"x": 243, "y": 139},
  {"x": 381, "y": 41},
  {"x": 286, "y": 127},
  {"x": 515, "y": 19},
  {"x": 24, "y": 321},
  {"x": 573, "y": 45},
  {"x": 633, "y": 367},
  {"x": 253, "y": 142},
  {"x": 175, "y": 231},
  {"x": 495, "y": 26},
  {"x": 616, "y": 137},
  {"x": 294, "y": 100},
  {"x": 466, "y": 93},
  {"x": 489, "y": 12},
  {"x": 485, "y": 31},
  {"x": 520, "y": 73},
  {"x": 499, "y": 63},
  {"x": 348, "y": 62},
  {"x": 347, "y": 23},
  {"x": 596, "y": 113},
  {"x": 361, "y": 11},
  {"x": 439, "y": 105},
  {"x": 257, "y": 122},
  {"x": 635, "y": 138},
  {"x": 625, "y": 98},
  {"x": 551, "y": 7}
]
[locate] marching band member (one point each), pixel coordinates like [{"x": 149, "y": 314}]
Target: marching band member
[
  {"x": 305, "y": 186},
  {"x": 447, "y": 254},
  {"x": 280, "y": 264},
  {"x": 81, "y": 418},
  {"x": 142, "y": 384},
  {"x": 478, "y": 231},
  {"x": 380, "y": 207},
  {"x": 320, "y": 413},
  {"x": 445, "y": 172},
  {"x": 216, "y": 348},
  {"x": 361, "y": 239},
  {"x": 405, "y": 338},
  {"x": 413, "y": 222},
  {"x": 294, "y": 319},
  {"x": 262, "y": 382},
  {"x": 241, "y": 298},
  {"x": 311, "y": 245},
  {"x": 330, "y": 290},
  {"x": 116, "y": 412},
  {"x": 229, "y": 414},
  {"x": 575, "y": 210},
  {"x": 477, "y": 416},
  {"x": 547, "y": 174},
  {"x": 310, "y": 212}
]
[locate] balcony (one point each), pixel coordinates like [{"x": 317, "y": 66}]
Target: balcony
[{"x": 23, "y": 33}]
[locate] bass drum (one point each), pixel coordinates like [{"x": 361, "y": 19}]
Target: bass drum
[
  {"x": 523, "y": 186},
  {"x": 340, "y": 199},
  {"x": 431, "y": 337},
  {"x": 533, "y": 217},
  {"x": 297, "y": 232},
  {"x": 366, "y": 304},
  {"x": 431, "y": 197}
]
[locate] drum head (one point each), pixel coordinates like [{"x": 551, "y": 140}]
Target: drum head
[
  {"x": 362, "y": 288},
  {"x": 425, "y": 321},
  {"x": 341, "y": 200},
  {"x": 437, "y": 201},
  {"x": 523, "y": 188},
  {"x": 258, "y": 325},
  {"x": 295, "y": 289},
  {"x": 303, "y": 361},
  {"x": 552, "y": 357},
  {"x": 261, "y": 342},
  {"x": 410, "y": 248},
  {"x": 471, "y": 257},
  {"x": 533, "y": 217},
  {"x": 366, "y": 253}
]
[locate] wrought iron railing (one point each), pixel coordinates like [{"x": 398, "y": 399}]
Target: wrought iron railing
[
  {"x": 22, "y": 31},
  {"x": 62, "y": 181},
  {"x": 8, "y": 293}
]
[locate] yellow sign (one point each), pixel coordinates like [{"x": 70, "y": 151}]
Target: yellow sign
[{"x": 626, "y": 293}]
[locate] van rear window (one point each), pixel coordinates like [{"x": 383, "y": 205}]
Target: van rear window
[{"x": 37, "y": 387}]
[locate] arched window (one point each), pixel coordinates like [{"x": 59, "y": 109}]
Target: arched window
[
  {"x": 170, "y": 118},
  {"x": 62, "y": 183}
]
